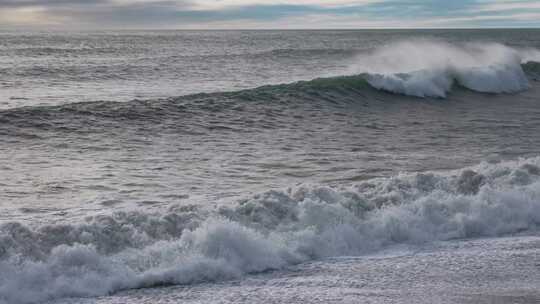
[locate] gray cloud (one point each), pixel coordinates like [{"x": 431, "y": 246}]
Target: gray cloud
[
  {"x": 171, "y": 13},
  {"x": 48, "y": 3}
]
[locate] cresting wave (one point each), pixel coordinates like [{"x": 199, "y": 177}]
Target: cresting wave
[
  {"x": 269, "y": 231},
  {"x": 335, "y": 90},
  {"x": 425, "y": 68},
  {"x": 419, "y": 69}
]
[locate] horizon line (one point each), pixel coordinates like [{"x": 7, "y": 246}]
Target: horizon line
[{"x": 272, "y": 29}]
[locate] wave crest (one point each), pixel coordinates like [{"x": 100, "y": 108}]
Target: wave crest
[{"x": 425, "y": 68}]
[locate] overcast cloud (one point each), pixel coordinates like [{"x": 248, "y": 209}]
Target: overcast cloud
[{"x": 67, "y": 14}]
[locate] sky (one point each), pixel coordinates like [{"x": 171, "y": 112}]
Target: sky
[{"x": 266, "y": 14}]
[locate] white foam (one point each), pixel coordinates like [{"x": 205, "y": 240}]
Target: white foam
[
  {"x": 271, "y": 231},
  {"x": 427, "y": 68},
  {"x": 529, "y": 55}
]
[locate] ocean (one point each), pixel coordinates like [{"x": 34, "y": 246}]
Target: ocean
[{"x": 336, "y": 166}]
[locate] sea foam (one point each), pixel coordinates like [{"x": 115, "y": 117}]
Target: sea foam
[
  {"x": 272, "y": 230},
  {"x": 427, "y": 68}
]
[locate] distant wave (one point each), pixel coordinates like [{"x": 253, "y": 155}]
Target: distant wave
[{"x": 272, "y": 230}]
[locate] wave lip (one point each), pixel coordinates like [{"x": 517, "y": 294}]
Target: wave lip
[
  {"x": 269, "y": 231},
  {"x": 427, "y": 68}
]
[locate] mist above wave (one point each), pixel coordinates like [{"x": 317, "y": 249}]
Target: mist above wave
[
  {"x": 269, "y": 231},
  {"x": 427, "y": 68}
]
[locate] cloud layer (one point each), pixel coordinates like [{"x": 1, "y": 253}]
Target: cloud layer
[{"x": 267, "y": 13}]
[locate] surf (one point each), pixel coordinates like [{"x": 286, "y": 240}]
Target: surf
[{"x": 272, "y": 230}]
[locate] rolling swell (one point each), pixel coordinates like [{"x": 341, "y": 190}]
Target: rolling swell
[
  {"x": 273, "y": 230},
  {"x": 364, "y": 89},
  {"x": 167, "y": 113}
]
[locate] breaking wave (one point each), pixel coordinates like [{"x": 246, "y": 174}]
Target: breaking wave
[
  {"x": 368, "y": 89},
  {"x": 419, "y": 68},
  {"x": 269, "y": 231},
  {"x": 425, "y": 68}
]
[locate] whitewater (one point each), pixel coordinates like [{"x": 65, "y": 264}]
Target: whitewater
[
  {"x": 270, "y": 231},
  {"x": 431, "y": 69},
  {"x": 247, "y": 166}
]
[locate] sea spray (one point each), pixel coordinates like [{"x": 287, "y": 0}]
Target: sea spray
[{"x": 428, "y": 68}]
